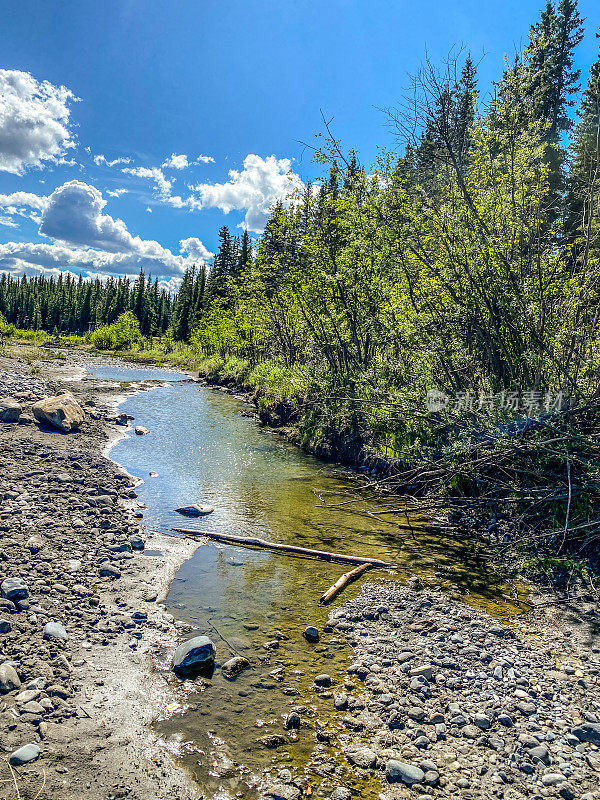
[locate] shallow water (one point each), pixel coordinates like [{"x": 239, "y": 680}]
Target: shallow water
[{"x": 204, "y": 451}]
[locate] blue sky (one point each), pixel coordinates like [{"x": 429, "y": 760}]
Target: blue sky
[{"x": 240, "y": 84}]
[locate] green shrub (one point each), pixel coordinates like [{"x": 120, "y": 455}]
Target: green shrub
[{"x": 123, "y": 334}]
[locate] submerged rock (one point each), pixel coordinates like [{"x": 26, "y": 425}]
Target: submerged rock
[
  {"x": 311, "y": 634},
  {"x": 194, "y": 510},
  {"x": 234, "y": 667},
  {"x": 194, "y": 654},
  {"x": 62, "y": 412}
]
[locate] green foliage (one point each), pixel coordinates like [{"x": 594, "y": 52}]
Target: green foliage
[{"x": 121, "y": 335}]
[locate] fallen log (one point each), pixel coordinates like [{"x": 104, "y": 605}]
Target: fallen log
[
  {"x": 291, "y": 549},
  {"x": 342, "y": 582}
]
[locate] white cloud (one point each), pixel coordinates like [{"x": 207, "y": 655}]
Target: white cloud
[
  {"x": 116, "y": 192},
  {"x": 175, "y": 161},
  {"x": 87, "y": 240},
  {"x": 162, "y": 184},
  {"x": 8, "y": 222},
  {"x": 261, "y": 183},
  {"x": 195, "y": 249},
  {"x": 34, "y": 122},
  {"x": 74, "y": 215},
  {"x": 23, "y": 199},
  {"x": 101, "y": 161}
]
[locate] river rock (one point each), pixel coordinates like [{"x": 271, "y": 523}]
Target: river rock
[
  {"x": 62, "y": 412},
  {"x": 10, "y": 410},
  {"x": 35, "y": 543},
  {"x": 311, "y": 634},
  {"x": 54, "y": 630},
  {"x": 25, "y": 754},
  {"x": 194, "y": 510},
  {"x": 588, "y": 732},
  {"x": 194, "y": 653},
  {"x": 396, "y": 771},
  {"x": 9, "y": 680},
  {"x": 362, "y": 757},
  {"x": 14, "y": 589},
  {"x": 234, "y": 667}
]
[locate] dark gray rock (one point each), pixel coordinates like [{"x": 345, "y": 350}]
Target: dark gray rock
[
  {"x": 198, "y": 652},
  {"x": 311, "y": 634},
  {"x": 14, "y": 589},
  {"x": 588, "y": 732}
]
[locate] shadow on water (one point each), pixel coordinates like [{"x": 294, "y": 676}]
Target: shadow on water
[{"x": 255, "y": 603}]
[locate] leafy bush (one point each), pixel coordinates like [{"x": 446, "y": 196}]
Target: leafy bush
[{"x": 123, "y": 334}]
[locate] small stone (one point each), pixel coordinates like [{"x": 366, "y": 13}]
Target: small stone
[
  {"x": 311, "y": 634},
  {"x": 293, "y": 721},
  {"x": 588, "y": 732},
  {"x": 234, "y": 667},
  {"x": 14, "y": 589},
  {"x": 10, "y": 410},
  {"x": 399, "y": 771},
  {"x": 323, "y": 680},
  {"x": 9, "y": 680},
  {"x": 362, "y": 757},
  {"x": 35, "y": 543},
  {"x": 108, "y": 571},
  {"x": 194, "y": 653},
  {"x": 25, "y": 754},
  {"x": 54, "y": 630},
  {"x": 553, "y": 779}
]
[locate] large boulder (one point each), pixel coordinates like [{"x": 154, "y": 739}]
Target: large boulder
[
  {"x": 197, "y": 654},
  {"x": 10, "y": 410},
  {"x": 62, "y": 412}
]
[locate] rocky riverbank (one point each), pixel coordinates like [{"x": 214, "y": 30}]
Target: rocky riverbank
[
  {"x": 81, "y": 616},
  {"x": 441, "y": 701}
]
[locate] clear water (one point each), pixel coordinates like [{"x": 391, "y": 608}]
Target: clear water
[{"x": 205, "y": 452}]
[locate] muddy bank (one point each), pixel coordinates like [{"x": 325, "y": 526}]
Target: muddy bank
[{"x": 69, "y": 531}]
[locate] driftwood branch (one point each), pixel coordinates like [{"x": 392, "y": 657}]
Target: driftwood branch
[
  {"x": 342, "y": 582},
  {"x": 290, "y": 549}
]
